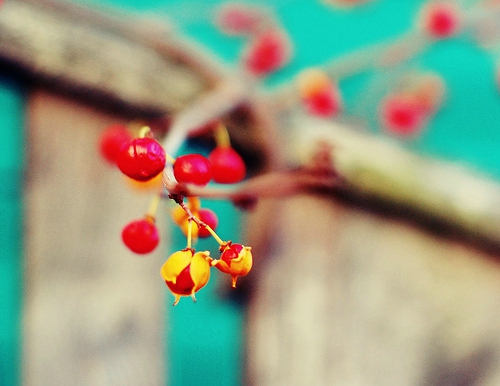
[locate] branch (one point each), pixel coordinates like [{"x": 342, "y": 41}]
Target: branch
[
  {"x": 449, "y": 197},
  {"x": 120, "y": 62}
]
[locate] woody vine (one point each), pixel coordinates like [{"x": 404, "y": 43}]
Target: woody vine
[{"x": 403, "y": 112}]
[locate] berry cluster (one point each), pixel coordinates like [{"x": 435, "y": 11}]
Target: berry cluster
[
  {"x": 406, "y": 110},
  {"x": 319, "y": 94},
  {"x": 440, "y": 19},
  {"x": 268, "y": 48},
  {"x": 143, "y": 160}
]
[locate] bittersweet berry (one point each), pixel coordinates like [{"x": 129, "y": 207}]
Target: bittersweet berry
[
  {"x": 227, "y": 165},
  {"x": 324, "y": 103},
  {"x": 111, "y": 141},
  {"x": 402, "y": 114},
  {"x": 268, "y": 51},
  {"x": 440, "y": 19},
  {"x": 235, "y": 260},
  {"x": 142, "y": 159},
  {"x": 319, "y": 94},
  {"x": 208, "y": 217},
  {"x": 238, "y": 19},
  {"x": 186, "y": 272},
  {"x": 193, "y": 168},
  {"x": 141, "y": 236},
  {"x": 311, "y": 81}
]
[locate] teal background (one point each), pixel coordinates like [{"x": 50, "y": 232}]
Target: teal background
[
  {"x": 204, "y": 341},
  {"x": 11, "y": 220}
]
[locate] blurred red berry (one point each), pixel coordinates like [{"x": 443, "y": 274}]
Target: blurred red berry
[
  {"x": 193, "y": 168},
  {"x": 268, "y": 52},
  {"x": 142, "y": 159},
  {"x": 312, "y": 80},
  {"x": 111, "y": 140},
  {"x": 440, "y": 19},
  {"x": 141, "y": 236},
  {"x": 208, "y": 217},
  {"x": 402, "y": 114},
  {"x": 227, "y": 165},
  {"x": 238, "y": 19},
  {"x": 324, "y": 103}
]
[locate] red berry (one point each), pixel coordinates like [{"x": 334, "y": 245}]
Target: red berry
[
  {"x": 227, "y": 165},
  {"x": 231, "y": 252},
  {"x": 402, "y": 114},
  {"x": 238, "y": 19},
  {"x": 142, "y": 159},
  {"x": 312, "y": 80},
  {"x": 268, "y": 52},
  {"x": 193, "y": 168},
  {"x": 112, "y": 139},
  {"x": 324, "y": 103},
  {"x": 441, "y": 19},
  {"x": 208, "y": 217},
  {"x": 141, "y": 236}
]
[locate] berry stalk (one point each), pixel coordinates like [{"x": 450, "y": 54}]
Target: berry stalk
[
  {"x": 153, "y": 206},
  {"x": 222, "y": 136}
]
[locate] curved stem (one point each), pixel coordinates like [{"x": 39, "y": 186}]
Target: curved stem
[
  {"x": 144, "y": 131},
  {"x": 153, "y": 206},
  {"x": 189, "y": 233},
  {"x": 222, "y": 136},
  {"x": 214, "y": 235}
]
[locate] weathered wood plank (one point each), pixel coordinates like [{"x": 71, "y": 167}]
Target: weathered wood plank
[
  {"x": 345, "y": 297},
  {"x": 449, "y": 197},
  {"x": 93, "y": 311},
  {"x": 113, "y": 60}
]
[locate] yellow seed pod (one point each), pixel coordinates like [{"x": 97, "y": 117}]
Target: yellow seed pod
[
  {"x": 236, "y": 260},
  {"x": 312, "y": 81},
  {"x": 186, "y": 272}
]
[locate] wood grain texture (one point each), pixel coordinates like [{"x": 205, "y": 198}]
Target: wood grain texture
[
  {"x": 94, "y": 312},
  {"x": 113, "y": 60},
  {"x": 447, "y": 197},
  {"x": 345, "y": 297}
]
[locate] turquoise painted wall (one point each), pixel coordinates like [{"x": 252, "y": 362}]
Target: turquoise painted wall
[{"x": 11, "y": 232}]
